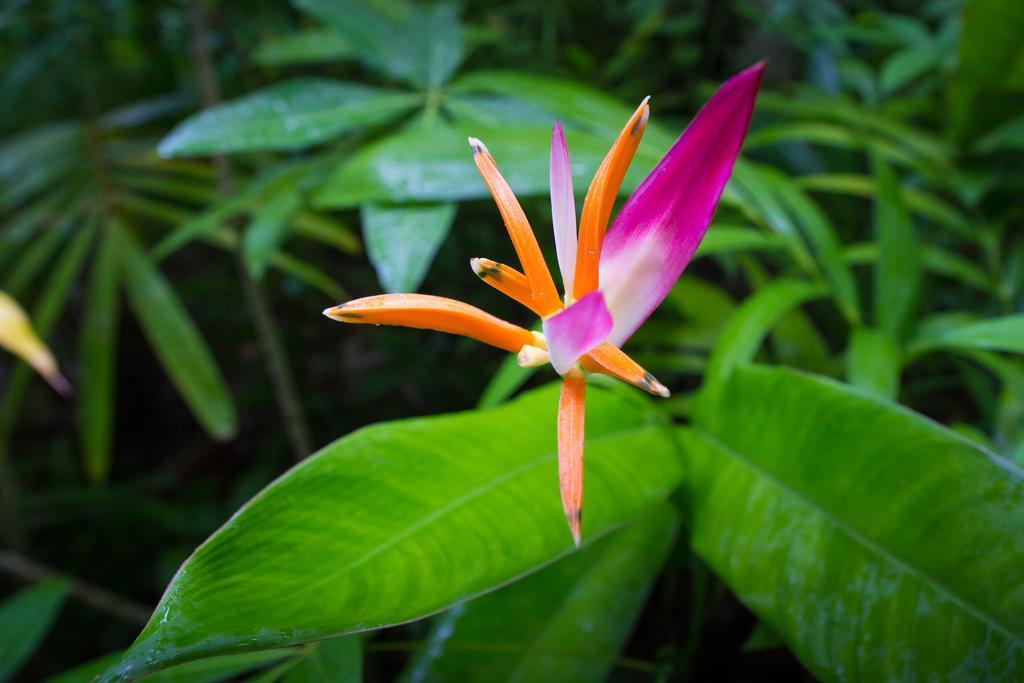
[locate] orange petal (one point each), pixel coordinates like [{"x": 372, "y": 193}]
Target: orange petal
[
  {"x": 597, "y": 206},
  {"x": 570, "y": 450},
  {"x": 542, "y": 287},
  {"x": 506, "y": 280},
  {"x": 611, "y": 360},
  {"x": 433, "y": 313}
]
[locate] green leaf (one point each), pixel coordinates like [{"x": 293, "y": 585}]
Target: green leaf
[
  {"x": 575, "y": 104},
  {"x": 879, "y": 544},
  {"x": 401, "y": 241},
  {"x": 268, "y": 229},
  {"x": 290, "y": 115},
  {"x": 989, "y": 83},
  {"x": 98, "y": 346},
  {"x": 45, "y": 314},
  {"x": 509, "y": 378},
  {"x": 907, "y": 65},
  {"x": 564, "y": 623},
  {"x": 1009, "y": 136},
  {"x": 898, "y": 274},
  {"x": 763, "y": 637},
  {"x": 309, "y": 275},
  {"x": 729, "y": 239},
  {"x": 401, "y": 520},
  {"x": 922, "y": 203},
  {"x": 24, "y": 620},
  {"x": 339, "y": 660},
  {"x": 873, "y": 363},
  {"x": 748, "y": 326},
  {"x": 435, "y": 164},
  {"x": 995, "y": 334},
  {"x": 418, "y": 44},
  {"x": 210, "y": 670},
  {"x": 176, "y": 341},
  {"x": 304, "y": 47}
]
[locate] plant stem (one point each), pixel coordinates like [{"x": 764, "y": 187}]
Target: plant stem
[
  {"x": 89, "y": 593},
  {"x": 281, "y": 379}
]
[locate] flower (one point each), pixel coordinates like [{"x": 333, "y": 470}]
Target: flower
[{"x": 613, "y": 280}]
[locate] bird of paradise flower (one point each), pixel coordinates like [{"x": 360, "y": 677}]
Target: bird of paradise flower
[{"x": 613, "y": 279}]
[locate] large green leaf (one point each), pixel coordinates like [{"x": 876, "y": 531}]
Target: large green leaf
[
  {"x": 573, "y": 102},
  {"x": 289, "y": 115},
  {"x": 426, "y": 165},
  {"x": 880, "y": 545},
  {"x": 98, "y": 349},
  {"x": 418, "y": 44},
  {"x": 898, "y": 273},
  {"x": 401, "y": 241},
  {"x": 24, "y": 620},
  {"x": 176, "y": 341},
  {"x": 563, "y": 624},
  {"x": 401, "y": 520}
]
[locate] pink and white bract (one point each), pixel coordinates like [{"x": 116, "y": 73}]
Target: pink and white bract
[{"x": 614, "y": 277}]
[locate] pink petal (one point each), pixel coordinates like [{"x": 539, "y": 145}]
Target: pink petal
[
  {"x": 563, "y": 207},
  {"x": 577, "y": 330},
  {"x": 663, "y": 222}
]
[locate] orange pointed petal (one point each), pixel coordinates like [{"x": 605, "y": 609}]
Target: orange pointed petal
[
  {"x": 433, "y": 313},
  {"x": 542, "y": 287},
  {"x": 611, "y": 360},
  {"x": 597, "y": 206},
  {"x": 506, "y": 280},
  {"x": 570, "y": 450}
]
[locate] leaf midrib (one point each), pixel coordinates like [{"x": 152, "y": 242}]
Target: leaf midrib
[
  {"x": 455, "y": 504},
  {"x": 863, "y": 540}
]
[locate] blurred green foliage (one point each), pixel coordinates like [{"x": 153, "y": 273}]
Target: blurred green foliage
[{"x": 185, "y": 185}]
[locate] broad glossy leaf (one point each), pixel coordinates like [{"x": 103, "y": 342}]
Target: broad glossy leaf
[
  {"x": 289, "y": 115},
  {"x": 898, "y": 273},
  {"x": 268, "y": 229},
  {"x": 24, "y": 620},
  {"x": 879, "y": 544},
  {"x": 752, "y": 321},
  {"x": 303, "y": 47},
  {"x": 562, "y": 623},
  {"x": 98, "y": 348},
  {"x": 574, "y": 103},
  {"x": 873, "y": 362},
  {"x": 436, "y": 164},
  {"x": 401, "y": 520},
  {"x": 420, "y": 44},
  {"x": 401, "y": 241},
  {"x": 176, "y": 341}
]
